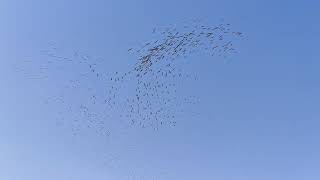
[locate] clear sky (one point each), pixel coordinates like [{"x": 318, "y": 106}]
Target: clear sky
[{"x": 259, "y": 113}]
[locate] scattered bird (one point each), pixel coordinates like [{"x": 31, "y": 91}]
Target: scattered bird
[{"x": 149, "y": 94}]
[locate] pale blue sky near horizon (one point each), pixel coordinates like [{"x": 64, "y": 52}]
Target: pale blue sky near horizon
[{"x": 259, "y": 112}]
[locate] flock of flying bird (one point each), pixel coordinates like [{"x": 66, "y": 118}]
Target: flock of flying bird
[
  {"x": 158, "y": 72},
  {"x": 148, "y": 95}
]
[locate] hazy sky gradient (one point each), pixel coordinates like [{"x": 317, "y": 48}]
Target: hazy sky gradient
[{"x": 259, "y": 112}]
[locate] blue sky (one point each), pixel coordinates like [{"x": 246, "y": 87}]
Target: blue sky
[{"x": 259, "y": 116}]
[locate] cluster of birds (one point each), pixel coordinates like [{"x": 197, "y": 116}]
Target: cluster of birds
[
  {"x": 180, "y": 43},
  {"x": 149, "y": 94}
]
